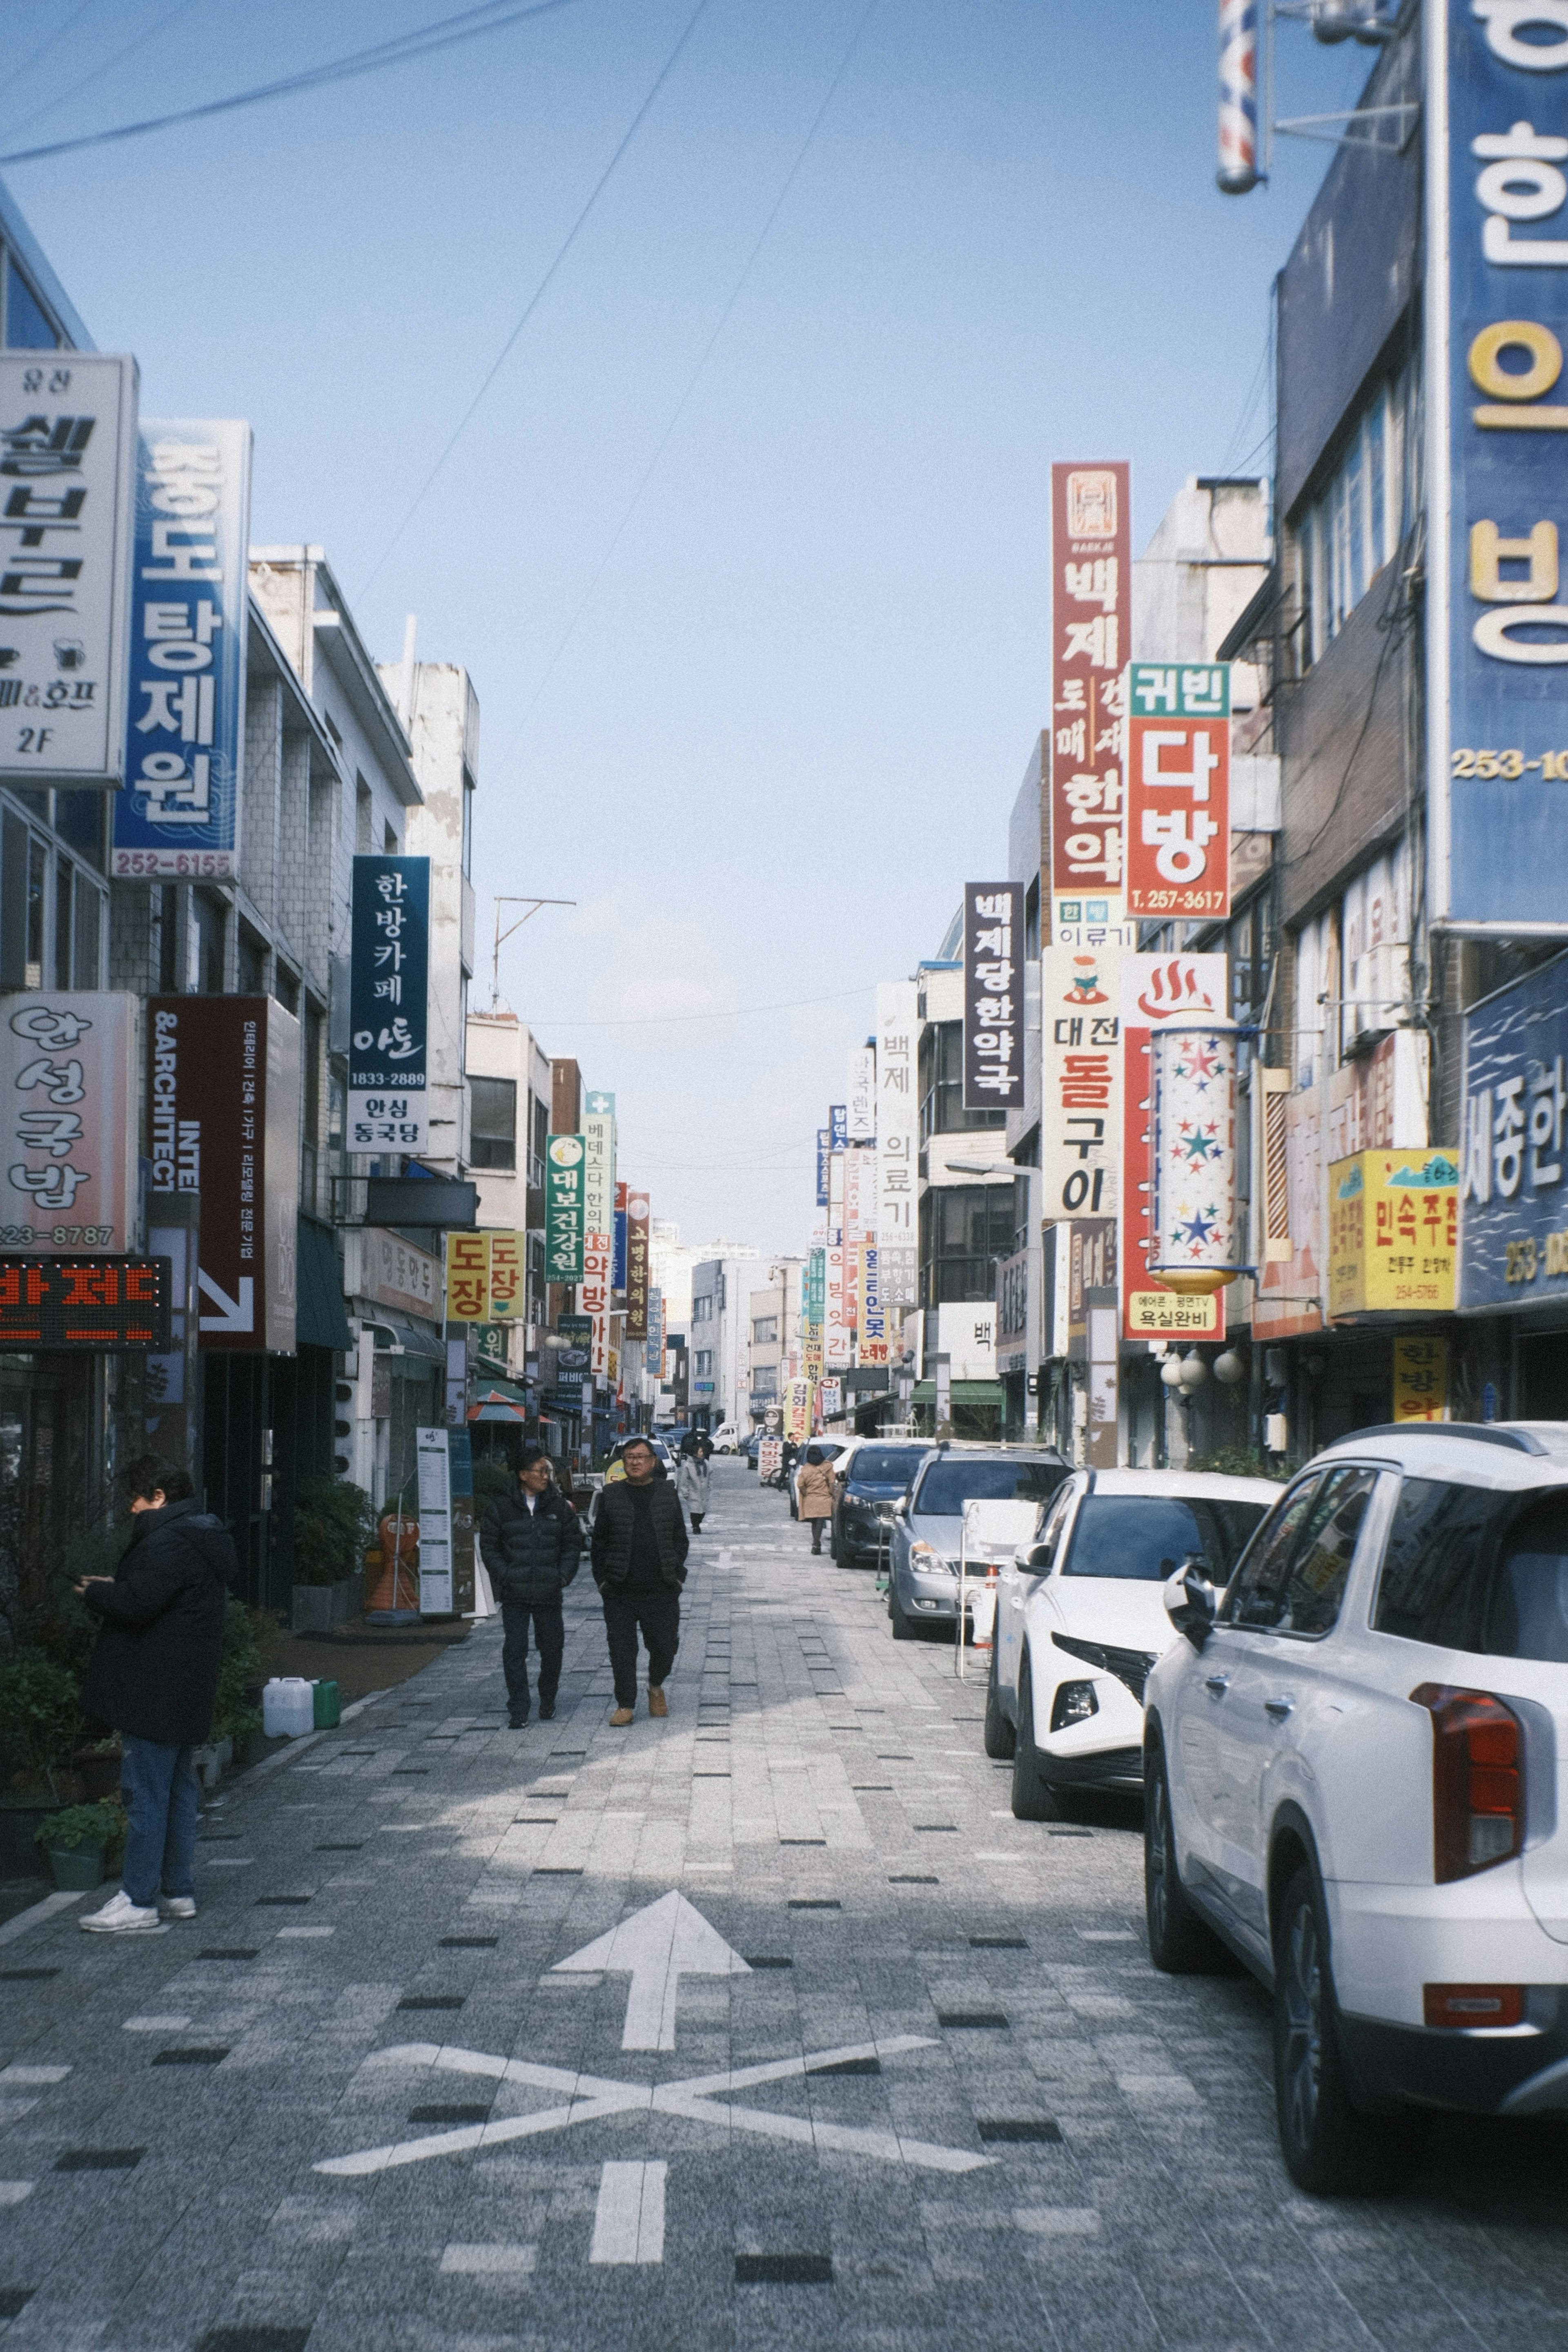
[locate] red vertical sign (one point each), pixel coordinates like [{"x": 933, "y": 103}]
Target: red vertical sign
[
  {"x": 1179, "y": 790},
  {"x": 636, "y": 1264},
  {"x": 1091, "y": 629}
]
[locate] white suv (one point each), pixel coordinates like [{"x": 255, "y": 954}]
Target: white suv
[{"x": 1354, "y": 1765}]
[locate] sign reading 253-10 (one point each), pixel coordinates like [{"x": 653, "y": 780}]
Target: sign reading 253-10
[{"x": 1497, "y": 320}]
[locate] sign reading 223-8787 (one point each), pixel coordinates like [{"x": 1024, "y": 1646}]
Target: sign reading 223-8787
[{"x": 1497, "y": 483}]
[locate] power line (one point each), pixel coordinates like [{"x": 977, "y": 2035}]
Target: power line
[
  {"x": 536, "y": 297},
  {"x": 424, "y": 41},
  {"x": 98, "y": 72},
  {"x": 680, "y": 408},
  {"x": 46, "y": 46},
  {"x": 664, "y": 1020}
]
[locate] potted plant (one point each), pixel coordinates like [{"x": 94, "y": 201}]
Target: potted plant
[
  {"x": 76, "y": 1839},
  {"x": 38, "y": 1723},
  {"x": 331, "y": 1526},
  {"x": 236, "y": 1718}
]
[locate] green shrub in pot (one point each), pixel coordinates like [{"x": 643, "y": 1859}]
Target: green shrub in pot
[
  {"x": 101, "y": 1825},
  {"x": 333, "y": 1523},
  {"x": 38, "y": 1717}
]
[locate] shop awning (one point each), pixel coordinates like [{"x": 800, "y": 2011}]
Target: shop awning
[
  {"x": 413, "y": 1352},
  {"x": 318, "y": 1317},
  {"x": 962, "y": 1392},
  {"x": 500, "y": 1400}
]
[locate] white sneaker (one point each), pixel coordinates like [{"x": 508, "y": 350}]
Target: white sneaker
[
  {"x": 176, "y": 1906},
  {"x": 120, "y": 1916}
]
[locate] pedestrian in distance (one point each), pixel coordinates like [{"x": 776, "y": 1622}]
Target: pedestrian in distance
[
  {"x": 532, "y": 1543},
  {"x": 694, "y": 1478},
  {"x": 154, "y": 1677},
  {"x": 814, "y": 1493},
  {"x": 640, "y": 1547}
]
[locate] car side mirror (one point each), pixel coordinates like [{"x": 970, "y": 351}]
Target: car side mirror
[
  {"x": 1037, "y": 1558},
  {"x": 1192, "y": 1604},
  {"x": 901, "y": 1508}
]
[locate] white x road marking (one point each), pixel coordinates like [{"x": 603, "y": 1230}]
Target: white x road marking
[{"x": 590, "y": 2097}]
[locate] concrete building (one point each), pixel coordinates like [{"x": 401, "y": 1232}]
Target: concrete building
[
  {"x": 509, "y": 1083},
  {"x": 774, "y": 1318},
  {"x": 720, "y": 1339}
]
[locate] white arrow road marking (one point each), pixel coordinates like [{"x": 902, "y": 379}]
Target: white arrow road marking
[
  {"x": 656, "y": 1946},
  {"x": 590, "y": 2097},
  {"x": 234, "y": 1313},
  {"x": 629, "y": 2220}
]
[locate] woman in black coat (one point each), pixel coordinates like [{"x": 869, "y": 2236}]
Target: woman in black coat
[{"x": 154, "y": 1676}]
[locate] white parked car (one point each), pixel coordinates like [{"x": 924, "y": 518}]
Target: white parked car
[
  {"x": 726, "y": 1438},
  {"x": 1080, "y": 1619},
  {"x": 1357, "y": 1765}
]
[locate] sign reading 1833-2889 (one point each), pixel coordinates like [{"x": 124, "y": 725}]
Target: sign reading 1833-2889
[{"x": 389, "y": 993}]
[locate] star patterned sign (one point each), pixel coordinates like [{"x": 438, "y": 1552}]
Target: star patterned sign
[{"x": 1194, "y": 1160}]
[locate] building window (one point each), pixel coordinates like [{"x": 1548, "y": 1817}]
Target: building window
[
  {"x": 964, "y": 1230},
  {"x": 1031, "y": 921},
  {"x": 702, "y": 1307},
  {"x": 492, "y": 1124},
  {"x": 468, "y": 822},
  {"x": 28, "y": 328},
  {"x": 312, "y": 1043},
  {"x": 210, "y": 918},
  {"x": 942, "y": 1109},
  {"x": 765, "y": 1331},
  {"x": 702, "y": 1363},
  {"x": 168, "y": 939},
  {"x": 363, "y": 818},
  {"x": 1355, "y": 524},
  {"x": 251, "y": 965}
]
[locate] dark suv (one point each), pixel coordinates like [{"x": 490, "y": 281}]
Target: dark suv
[{"x": 880, "y": 1475}]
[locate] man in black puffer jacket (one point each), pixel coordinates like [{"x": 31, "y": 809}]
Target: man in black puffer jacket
[
  {"x": 154, "y": 1676},
  {"x": 532, "y": 1542},
  {"x": 640, "y": 1547}
]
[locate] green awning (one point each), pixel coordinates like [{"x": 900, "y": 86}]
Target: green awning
[
  {"x": 962, "y": 1392},
  {"x": 318, "y": 1317}
]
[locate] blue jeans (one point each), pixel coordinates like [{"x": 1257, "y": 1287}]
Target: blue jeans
[{"x": 159, "y": 1790}]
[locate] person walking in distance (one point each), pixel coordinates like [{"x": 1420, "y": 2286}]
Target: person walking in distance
[
  {"x": 532, "y": 1543},
  {"x": 640, "y": 1548},
  {"x": 154, "y": 1677},
  {"x": 814, "y": 1492},
  {"x": 692, "y": 1477}
]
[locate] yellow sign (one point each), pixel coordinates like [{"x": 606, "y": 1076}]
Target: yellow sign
[
  {"x": 1420, "y": 1379},
  {"x": 507, "y": 1259},
  {"x": 1169, "y": 1315},
  {"x": 467, "y": 1277},
  {"x": 812, "y": 1351},
  {"x": 1393, "y": 1233}
]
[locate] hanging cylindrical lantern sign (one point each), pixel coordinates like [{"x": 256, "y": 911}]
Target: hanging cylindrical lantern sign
[
  {"x": 1197, "y": 1245},
  {"x": 1238, "y": 159}
]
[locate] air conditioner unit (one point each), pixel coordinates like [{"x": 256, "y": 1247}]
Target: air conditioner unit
[{"x": 1379, "y": 991}]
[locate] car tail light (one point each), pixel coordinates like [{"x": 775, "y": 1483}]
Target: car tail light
[
  {"x": 1473, "y": 2004},
  {"x": 1477, "y": 1786}
]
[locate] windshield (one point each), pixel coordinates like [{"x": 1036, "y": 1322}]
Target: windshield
[
  {"x": 887, "y": 1466},
  {"x": 948, "y": 1485},
  {"x": 1147, "y": 1536}
]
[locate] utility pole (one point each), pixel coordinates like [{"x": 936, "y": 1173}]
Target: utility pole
[{"x": 533, "y": 905}]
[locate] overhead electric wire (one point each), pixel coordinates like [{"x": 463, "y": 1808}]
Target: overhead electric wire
[
  {"x": 146, "y": 33},
  {"x": 537, "y": 297},
  {"x": 680, "y": 407},
  {"x": 424, "y": 40},
  {"x": 657, "y": 1020},
  {"x": 46, "y": 46}
]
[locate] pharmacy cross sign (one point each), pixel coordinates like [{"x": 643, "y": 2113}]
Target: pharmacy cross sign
[{"x": 656, "y": 1948}]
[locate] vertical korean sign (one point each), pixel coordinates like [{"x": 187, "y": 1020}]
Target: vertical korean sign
[
  {"x": 897, "y": 1218},
  {"x": 564, "y": 1227},
  {"x": 68, "y": 468},
  {"x": 598, "y": 1216},
  {"x": 637, "y": 1214},
  {"x": 1081, "y": 1086},
  {"x": 388, "y": 1004},
  {"x": 1179, "y": 790},
  {"x": 1158, "y": 993},
  {"x": 67, "y": 1091},
  {"x": 1091, "y": 588},
  {"x": 823, "y": 1155},
  {"x": 224, "y": 1086},
  {"x": 993, "y": 996},
  {"x": 861, "y": 1108},
  {"x": 177, "y": 817},
  {"x": 597, "y": 1252},
  {"x": 1497, "y": 320},
  {"x": 467, "y": 1277}
]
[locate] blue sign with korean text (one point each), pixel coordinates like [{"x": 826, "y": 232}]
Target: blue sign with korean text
[
  {"x": 1513, "y": 1200},
  {"x": 618, "y": 1272},
  {"x": 176, "y": 817},
  {"x": 389, "y": 991},
  {"x": 838, "y": 1127},
  {"x": 824, "y": 1155},
  {"x": 1498, "y": 324}
]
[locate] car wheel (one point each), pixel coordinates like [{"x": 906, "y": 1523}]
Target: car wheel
[
  {"x": 1331, "y": 2148},
  {"x": 903, "y": 1628},
  {"x": 998, "y": 1737},
  {"x": 1034, "y": 1798},
  {"x": 1180, "y": 1942}
]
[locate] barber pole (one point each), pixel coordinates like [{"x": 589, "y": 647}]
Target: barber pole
[{"x": 1237, "y": 172}]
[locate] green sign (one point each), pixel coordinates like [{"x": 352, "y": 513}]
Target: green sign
[
  {"x": 1179, "y": 689},
  {"x": 565, "y": 1169},
  {"x": 814, "y": 1289}
]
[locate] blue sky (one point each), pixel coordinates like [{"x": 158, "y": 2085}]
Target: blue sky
[{"x": 765, "y": 741}]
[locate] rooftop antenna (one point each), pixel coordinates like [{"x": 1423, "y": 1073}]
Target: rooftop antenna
[{"x": 533, "y": 905}]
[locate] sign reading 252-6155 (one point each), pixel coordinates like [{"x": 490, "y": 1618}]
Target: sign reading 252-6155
[{"x": 1497, "y": 315}]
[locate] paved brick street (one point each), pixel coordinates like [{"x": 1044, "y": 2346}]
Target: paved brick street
[{"x": 947, "y": 2101}]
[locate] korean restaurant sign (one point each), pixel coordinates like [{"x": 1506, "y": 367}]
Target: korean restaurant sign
[
  {"x": 1513, "y": 1159},
  {"x": 68, "y": 1099},
  {"x": 565, "y": 1227},
  {"x": 380, "y": 1267},
  {"x": 1081, "y": 1087},
  {"x": 1393, "y": 1236},
  {"x": 388, "y": 1004},
  {"x": 1420, "y": 1379},
  {"x": 993, "y": 996},
  {"x": 67, "y": 470},
  {"x": 177, "y": 817},
  {"x": 1090, "y": 613},
  {"x": 223, "y": 1084},
  {"x": 1159, "y": 993},
  {"x": 637, "y": 1216},
  {"x": 897, "y": 1156},
  {"x": 1178, "y": 789},
  {"x": 1497, "y": 425}
]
